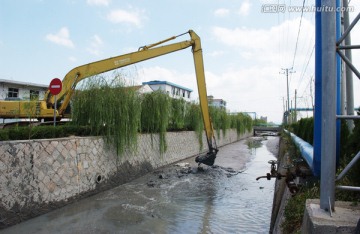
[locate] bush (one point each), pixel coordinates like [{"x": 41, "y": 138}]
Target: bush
[
  {"x": 304, "y": 129},
  {"x": 43, "y": 132},
  {"x": 350, "y": 146}
]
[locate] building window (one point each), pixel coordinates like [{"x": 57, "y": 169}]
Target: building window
[
  {"x": 34, "y": 95},
  {"x": 188, "y": 94},
  {"x": 177, "y": 91},
  {"x": 13, "y": 93},
  {"x": 173, "y": 90},
  {"x": 183, "y": 93}
]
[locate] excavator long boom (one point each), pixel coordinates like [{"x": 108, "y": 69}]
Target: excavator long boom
[
  {"x": 144, "y": 53},
  {"x": 79, "y": 73}
]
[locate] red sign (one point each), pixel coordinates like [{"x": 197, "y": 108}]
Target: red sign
[{"x": 55, "y": 86}]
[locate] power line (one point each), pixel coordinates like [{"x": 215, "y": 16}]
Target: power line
[
  {"x": 305, "y": 68},
  {"x": 297, "y": 39}
]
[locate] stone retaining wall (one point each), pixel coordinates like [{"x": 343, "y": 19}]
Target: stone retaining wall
[{"x": 37, "y": 176}]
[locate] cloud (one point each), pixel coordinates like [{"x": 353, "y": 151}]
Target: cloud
[
  {"x": 62, "y": 37},
  {"x": 98, "y": 2},
  {"x": 263, "y": 45},
  {"x": 72, "y": 59},
  {"x": 216, "y": 53},
  {"x": 95, "y": 45},
  {"x": 252, "y": 88},
  {"x": 253, "y": 82},
  {"x": 221, "y": 12},
  {"x": 120, "y": 16},
  {"x": 245, "y": 8}
]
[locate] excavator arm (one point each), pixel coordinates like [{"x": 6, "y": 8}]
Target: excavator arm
[
  {"x": 144, "y": 53},
  {"x": 79, "y": 73}
]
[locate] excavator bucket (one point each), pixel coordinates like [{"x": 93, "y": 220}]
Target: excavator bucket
[{"x": 207, "y": 159}]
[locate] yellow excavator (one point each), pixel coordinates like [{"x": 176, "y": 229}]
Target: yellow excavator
[{"x": 45, "y": 109}]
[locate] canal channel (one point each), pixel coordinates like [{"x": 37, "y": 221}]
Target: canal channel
[{"x": 179, "y": 198}]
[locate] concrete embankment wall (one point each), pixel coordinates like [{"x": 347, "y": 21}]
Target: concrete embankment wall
[
  {"x": 281, "y": 192},
  {"x": 37, "y": 176}
]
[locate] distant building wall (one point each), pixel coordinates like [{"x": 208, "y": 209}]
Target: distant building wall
[
  {"x": 173, "y": 90},
  {"x": 21, "y": 90},
  {"x": 216, "y": 102}
]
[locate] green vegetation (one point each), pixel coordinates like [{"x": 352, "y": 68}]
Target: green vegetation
[
  {"x": 220, "y": 120},
  {"x": 295, "y": 208},
  {"x": 193, "y": 121},
  {"x": 241, "y": 122},
  {"x": 304, "y": 129},
  {"x": 43, "y": 132},
  {"x": 110, "y": 110},
  {"x": 350, "y": 146},
  {"x": 107, "y": 108},
  {"x": 155, "y": 113},
  {"x": 260, "y": 122}
]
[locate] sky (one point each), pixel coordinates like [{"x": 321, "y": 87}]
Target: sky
[{"x": 246, "y": 45}]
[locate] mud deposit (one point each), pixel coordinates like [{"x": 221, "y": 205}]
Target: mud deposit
[{"x": 179, "y": 198}]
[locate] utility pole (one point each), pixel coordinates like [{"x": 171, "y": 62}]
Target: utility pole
[
  {"x": 295, "y": 117},
  {"x": 284, "y": 105},
  {"x": 286, "y": 71}
]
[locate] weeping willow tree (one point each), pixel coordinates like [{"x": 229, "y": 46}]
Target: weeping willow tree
[
  {"x": 155, "y": 112},
  {"x": 194, "y": 122},
  {"x": 220, "y": 120},
  {"x": 119, "y": 113},
  {"x": 241, "y": 122},
  {"x": 110, "y": 109},
  {"x": 179, "y": 107}
]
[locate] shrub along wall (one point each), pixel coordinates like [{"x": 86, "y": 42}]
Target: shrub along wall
[
  {"x": 37, "y": 176},
  {"x": 349, "y": 146}
]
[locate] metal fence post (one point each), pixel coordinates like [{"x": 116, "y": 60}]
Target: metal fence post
[{"x": 328, "y": 107}]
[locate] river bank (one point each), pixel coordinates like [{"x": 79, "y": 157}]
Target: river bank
[{"x": 178, "y": 198}]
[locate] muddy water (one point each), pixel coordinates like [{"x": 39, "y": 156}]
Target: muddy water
[{"x": 177, "y": 199}]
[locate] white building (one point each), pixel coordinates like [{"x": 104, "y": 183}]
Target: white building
[
  {"x": 16, "y": 90},
  {"x": 219, "y": 103},
  {"x": 143, "y": 89},
  {"x": 173, "y": 90}
]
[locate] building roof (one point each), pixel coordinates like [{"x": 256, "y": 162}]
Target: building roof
[
  {"x": 23, "y": 83},
  {"x": 158, "y": 82}
]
